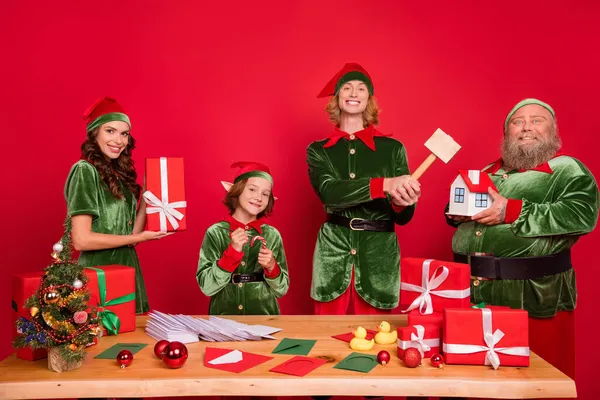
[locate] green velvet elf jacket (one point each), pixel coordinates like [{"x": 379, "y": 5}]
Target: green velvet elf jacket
[
  {"x": 552, "y": 205},
  {"x": 346, "y": 172},
  {"x": 87, "y": 194},
  {"x": 218, "y": 261}
]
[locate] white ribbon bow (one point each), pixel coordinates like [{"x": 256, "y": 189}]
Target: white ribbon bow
[
  {"x": 417, "y": 341},
  {"x": 491, "y": 340},
  {"x": 428, "y": 287},
  {"x": 163, "y": 207}
]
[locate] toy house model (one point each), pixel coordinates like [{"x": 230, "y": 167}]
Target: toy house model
[{"x": 469, "y": 193}]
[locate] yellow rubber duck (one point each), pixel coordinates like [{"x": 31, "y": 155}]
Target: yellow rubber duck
[
  {"x": 384, "y": 336},
  {"x": 359, "y": 342}
]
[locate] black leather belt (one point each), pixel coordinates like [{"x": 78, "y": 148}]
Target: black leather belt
[
  {"x": 247, "y": 278},
  {"x": 518, "y": 267},
  {"x": 360, "y": 224}
]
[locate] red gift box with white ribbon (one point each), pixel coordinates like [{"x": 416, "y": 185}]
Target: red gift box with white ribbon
[
  {"x": 425, "y": 338},
  {"x": 165, "y": 195},
  {"x": 484, "y": 336},
  {"x": 430, "y": 285}
]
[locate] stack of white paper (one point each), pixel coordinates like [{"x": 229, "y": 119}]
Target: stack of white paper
[{"x": 187, "y": 329}]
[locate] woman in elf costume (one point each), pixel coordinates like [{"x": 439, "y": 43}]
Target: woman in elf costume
[
  {"x": 242, "y": 265},
  {"x": 361, "y": 176},
  {"x": 102, "y": 192}
]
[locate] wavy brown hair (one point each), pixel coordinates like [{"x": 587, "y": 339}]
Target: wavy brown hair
[
  {"x": 370, "y": 115},
  {"x": 231, "y": 199},
  {"x": 112, "y": 170}
]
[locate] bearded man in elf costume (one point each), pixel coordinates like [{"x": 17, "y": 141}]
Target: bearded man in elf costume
[
  {"x": 242, "y": 264},
  {"x": 519, "y": 248},
  {"x": 362, "y": 178}
]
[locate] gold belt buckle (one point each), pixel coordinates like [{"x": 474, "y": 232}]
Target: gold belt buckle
[
  {"x": 356, "y": 219},
  {"x": 477, "y": 279}
]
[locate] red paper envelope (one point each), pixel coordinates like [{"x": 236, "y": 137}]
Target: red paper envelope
[
  {"x": 298, "y": 366},
  {"x": 248, "y": 360},
  {"x": 347, "y": 337}
]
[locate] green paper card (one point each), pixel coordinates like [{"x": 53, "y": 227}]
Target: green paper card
[
  {"x": 358, "y": 362},
  {"x": 299, "y": 347},
  {"x": 112, "y": 351}
]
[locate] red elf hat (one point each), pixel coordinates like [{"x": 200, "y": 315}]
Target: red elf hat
[
  {"x": 350, "y": 72},
  {"x": 104, "y": 110},
  {"x": 249, "y": 169}
]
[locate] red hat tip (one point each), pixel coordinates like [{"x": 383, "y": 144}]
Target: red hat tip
[
  {"x": 329, "y": 89},
  {"x": 91, "y": 108},
  {"x": 246, "y": 166},
  {"x": 103, "y": 105}
]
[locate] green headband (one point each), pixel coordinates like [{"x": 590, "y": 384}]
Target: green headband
[
  {"x": 254, "y": 174},
  {"x": 354, "y": 76},
  {"x": 115, "y": 116},
  {"x": 524, "y": 103}
]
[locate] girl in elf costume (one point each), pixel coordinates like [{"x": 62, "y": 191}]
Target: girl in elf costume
[
  {"x": 242, "y": 265},
  {"x": 361, "y": 176},
  {"x": 102, "y": 193}
]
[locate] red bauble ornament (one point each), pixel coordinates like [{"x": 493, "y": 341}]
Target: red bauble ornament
[
  {"x": 437, "y": 360},
  {"x": 124, "y": 358},
  {"x": 412, "y": 357},
  {"x": 160, "y": 348},
  {"x": 175, "y": 355},
  {"x": 383, "y": 357}
]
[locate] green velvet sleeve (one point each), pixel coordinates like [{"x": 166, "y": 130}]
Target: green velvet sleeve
[
  {"x": 335, "y": 193},
  {"x": 572, "y": 211},
  {"x": 81, "y": 190},
  {"x": 212, "y": 278},
  {"x": 281, "y": 283},
  {"x": 401, "y": 168}
]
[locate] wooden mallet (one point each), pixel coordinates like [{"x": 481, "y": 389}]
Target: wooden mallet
[{"x": 442, "y": 146}]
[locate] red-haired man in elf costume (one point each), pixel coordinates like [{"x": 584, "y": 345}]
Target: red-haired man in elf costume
[{"x": 361, "y": 176}]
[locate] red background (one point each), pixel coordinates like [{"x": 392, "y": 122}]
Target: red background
[{"x": 235, "y": 81}]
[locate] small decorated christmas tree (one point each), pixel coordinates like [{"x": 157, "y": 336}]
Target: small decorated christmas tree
[{"x": 60, "y": 319}]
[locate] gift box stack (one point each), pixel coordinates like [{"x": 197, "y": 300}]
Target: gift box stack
[
  {"x": 436, "y": 296},
  {"x": 165, "y": 195},
  {"x": 428, "y": 287},
  {"x": 112, "y": 293}
]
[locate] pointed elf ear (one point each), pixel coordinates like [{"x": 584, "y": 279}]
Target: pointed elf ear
[{"x": 226, "y": 185}]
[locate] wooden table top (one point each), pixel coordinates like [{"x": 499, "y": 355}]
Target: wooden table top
[{"x": 148, "y": 377}]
